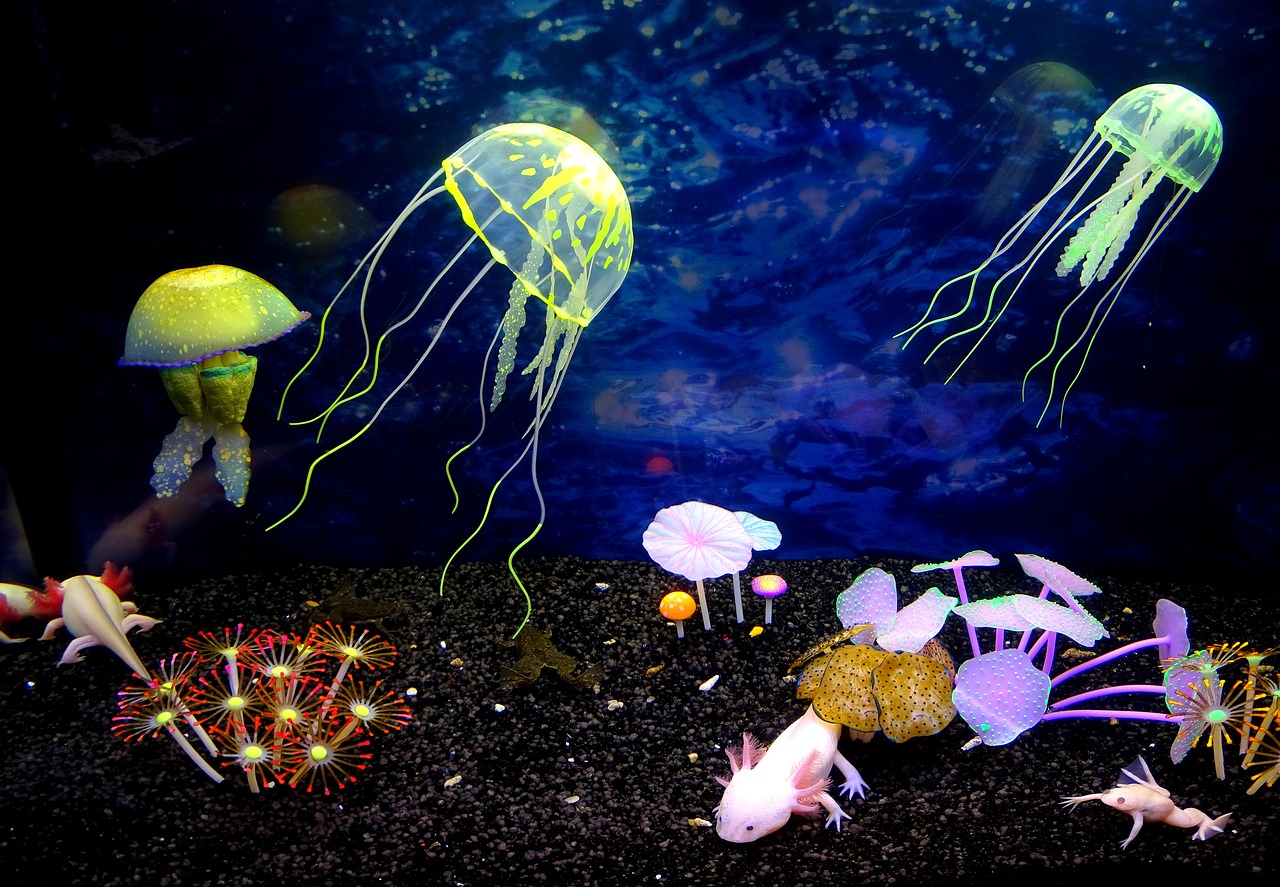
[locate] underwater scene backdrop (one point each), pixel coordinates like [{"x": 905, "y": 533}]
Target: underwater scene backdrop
[
  {"x": 802, "y": 178},
  {"x": 750, "y": 266}
]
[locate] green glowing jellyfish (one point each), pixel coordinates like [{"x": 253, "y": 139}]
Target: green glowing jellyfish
[
  {"x": 554, "y": 213},
  {"x": 192, "y": 323},
  {"x": 1164, "y": 131}
]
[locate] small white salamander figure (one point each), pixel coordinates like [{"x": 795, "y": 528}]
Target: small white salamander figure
[
  {"x": 1137, "y": 794},
  {"x": 790, "y": 777}
]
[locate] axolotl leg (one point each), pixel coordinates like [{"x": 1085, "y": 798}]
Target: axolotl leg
[{"x": 853, "y": 781}]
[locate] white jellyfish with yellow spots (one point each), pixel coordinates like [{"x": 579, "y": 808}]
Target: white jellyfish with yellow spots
[
  {"x": 1160, "y": 131},
  {"x": 552, "y": 211}
]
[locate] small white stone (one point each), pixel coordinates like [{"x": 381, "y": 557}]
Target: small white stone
[
  {"x": 452, "y": 781},
  {"x": 709, "y": 683},
  {"x": 499, "y": 707}
]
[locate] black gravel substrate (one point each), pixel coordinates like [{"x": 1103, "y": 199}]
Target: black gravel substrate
[{"x": 550, "y": 784}]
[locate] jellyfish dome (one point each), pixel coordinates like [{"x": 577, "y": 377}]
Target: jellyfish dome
[{"x": 1164, "y": 132}]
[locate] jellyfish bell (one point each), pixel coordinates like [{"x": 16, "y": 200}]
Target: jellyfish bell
[
  {"x": 551, "y": 210},
  {"x": 1157, "y": 132}
]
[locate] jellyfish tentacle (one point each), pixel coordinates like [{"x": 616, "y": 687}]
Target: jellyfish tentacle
[
  {"x": 425, "y": 193},
  {"x": 306, "y": 486},
  {"x": 1091, "y": 147},
  {"x": 343, "y": 397},
  {"x": 1059, "y": 226},
  {"x": 1113, "y": 294},
  {"x": 484, "y": 518},
  {"x": 448, "y": 464}
]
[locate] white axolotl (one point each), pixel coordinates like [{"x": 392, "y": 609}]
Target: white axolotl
[
  {"x": 767, "y": 786},
  {"x": 92, "y": 610},
  {"x": 1138, "y": 795}
]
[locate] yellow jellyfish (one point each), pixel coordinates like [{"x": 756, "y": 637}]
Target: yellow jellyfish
[
  {"x": 553, "y": 212},
  {"x": 1163, "y": 131},
  {"x": 192, "y": 323}
]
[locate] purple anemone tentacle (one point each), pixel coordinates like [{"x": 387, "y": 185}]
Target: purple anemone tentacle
[
  {"x": 1107, "y": 713},
  {"x": 1108, "y": 657}
]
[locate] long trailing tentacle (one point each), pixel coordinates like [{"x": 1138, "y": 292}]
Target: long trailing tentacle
[
  {"x": 448, "y": 463},
  {"x": 343, "y": 396},
  {"x": 1072, "y": 213},
  {"x": 306, "y": 486},
  {"x": 544, "y": 394},
  {"x": 425, "y": 193},
  {"x": 1006, "y": 242},
  {"x": 1110, "y": 297}
]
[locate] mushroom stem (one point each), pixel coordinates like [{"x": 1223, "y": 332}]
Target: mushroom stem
[{"x": 702, "y": 602}]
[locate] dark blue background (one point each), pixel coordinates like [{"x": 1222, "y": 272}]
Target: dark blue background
[{"x": 802, "y": 176}]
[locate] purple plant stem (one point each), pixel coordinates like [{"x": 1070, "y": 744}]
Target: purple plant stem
[
  {"x": 1048, "y": 640},
  {"x": 958, "y": 572},
  {"x": 1107, "y": 713},
  {"x": 1107, "y": 657},
  {"x": 1108, "y": 691}
]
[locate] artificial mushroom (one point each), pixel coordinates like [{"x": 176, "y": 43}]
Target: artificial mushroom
[
  {"x": 677, "y": 606},
  {"x": 769, "y": 587}
]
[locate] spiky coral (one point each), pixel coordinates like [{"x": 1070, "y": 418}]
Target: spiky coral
[
  {"x": 1204, "y": 706},
  {"x": 267, "y": 707},
  {"x": 1264, "y": 749},
  {"x": 1196, "y": 695}
]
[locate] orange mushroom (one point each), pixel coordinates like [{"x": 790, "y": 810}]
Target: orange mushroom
[{"x": 678, "y": 606}]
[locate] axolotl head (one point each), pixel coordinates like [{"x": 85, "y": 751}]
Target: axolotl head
[
  {"x": 751, "y": 808},
  {"x": 755, "y": 801}
]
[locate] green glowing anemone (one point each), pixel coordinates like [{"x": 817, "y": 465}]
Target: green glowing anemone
[
  {"x": 192, "y": 323},
  {"x": 1163, "y": 131},
  {"x": 554, "y": 213}
]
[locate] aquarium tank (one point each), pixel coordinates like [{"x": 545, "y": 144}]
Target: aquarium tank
[{"x": 380, "y": 368}]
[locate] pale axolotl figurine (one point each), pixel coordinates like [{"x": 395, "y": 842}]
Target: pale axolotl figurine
[
  {"x": 1137, "y": 794},
  {"x": 94, "y": 612},
  {"x": 767, "y": 786}
]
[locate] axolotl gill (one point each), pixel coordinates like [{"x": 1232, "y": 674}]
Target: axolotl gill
[{"x": 791, "y": 776}]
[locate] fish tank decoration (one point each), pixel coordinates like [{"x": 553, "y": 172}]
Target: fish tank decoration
[
  {"x": 1163, "y": 131},
  {"x": 699, "y": 541},
  {"x": 554, "y": 214},
  {"x": 283, "y": 708}
]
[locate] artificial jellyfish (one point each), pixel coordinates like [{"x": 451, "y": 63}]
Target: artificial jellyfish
[
  {"x": 192, "y": 324},
  {"x": 553, "y": 212},
  {"x": 1162, "y": 131}
]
